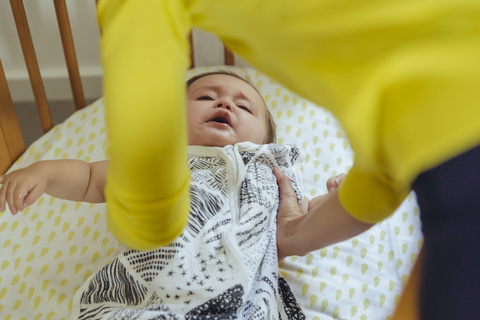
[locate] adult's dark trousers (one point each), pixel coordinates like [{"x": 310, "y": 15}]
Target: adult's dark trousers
[{"x": 449, "y": 200}]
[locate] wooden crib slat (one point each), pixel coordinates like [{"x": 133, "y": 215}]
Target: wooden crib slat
[
  {"x": 228, "y": 56},
  {"x": 192, "y": 53},
  {"x": 408, "y": 307},
  {"x": 11, "y": 141},
  {"x": 70, "y": 55},
  {"x": 5, "y": 160},
  {"x": 26, "y": 42}
]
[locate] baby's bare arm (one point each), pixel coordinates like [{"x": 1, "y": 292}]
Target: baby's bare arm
[
  {"x": 332, "y": 184},
  {"x": 325, "y": 222},
  {"x": 77, "y": 180},
  {"x": 66, "y": 179}
]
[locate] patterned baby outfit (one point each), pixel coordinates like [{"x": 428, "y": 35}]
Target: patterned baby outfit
[{"x": 224, "y": 264}]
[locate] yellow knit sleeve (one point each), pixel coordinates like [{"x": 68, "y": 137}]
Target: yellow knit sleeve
[
  {"x": 144, "y": 49},
  {"x": 369, "y": 197}
]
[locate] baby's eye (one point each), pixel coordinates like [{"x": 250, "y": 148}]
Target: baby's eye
[
  {"x": 245, "y": 108},
  {"x": 204, "y": 97}
]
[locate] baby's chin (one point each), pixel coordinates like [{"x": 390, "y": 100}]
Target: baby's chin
[
  {"x": 212, "y": 140},
  {"x": 216, "y": 143},
  {"x": 207, "y": 139}
]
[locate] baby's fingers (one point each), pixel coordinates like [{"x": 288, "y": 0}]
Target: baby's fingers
[
  {"x": 33, "y": 195},
  {"x": 26, "y": 193},
  {"x": 18, "y": 198},
  {"x": 334, "y": 182},
  {"x": 10, "y": 197},
  {"x": 14, "y": 196}
]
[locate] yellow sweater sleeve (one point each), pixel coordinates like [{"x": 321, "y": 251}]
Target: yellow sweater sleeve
[
  {"x": 360, "y": 189},
  {"x": 402, "y": 77},
  {"x": 144, "y": 45}
]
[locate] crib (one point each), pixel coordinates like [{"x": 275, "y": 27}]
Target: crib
[{"x": 54, "y": 246}]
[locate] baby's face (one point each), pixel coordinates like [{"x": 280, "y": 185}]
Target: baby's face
[{"x": 223, "y": 110}]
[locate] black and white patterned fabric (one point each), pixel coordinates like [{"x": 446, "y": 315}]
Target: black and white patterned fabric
[{"x": 224, "y": 265}]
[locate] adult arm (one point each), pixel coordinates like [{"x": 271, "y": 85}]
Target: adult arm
[{"x": 145, "y": 54}]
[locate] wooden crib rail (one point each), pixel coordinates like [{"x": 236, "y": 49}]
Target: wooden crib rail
[
  {"x": 70, "y": 53},
  {"x": 228, "y": 56},
  {"x": 30, "y": 57},
  {"x": 11, "y": 141},
  {"x": 31, "y": 62}
]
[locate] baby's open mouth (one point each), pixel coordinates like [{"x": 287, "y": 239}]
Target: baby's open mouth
[{"x": 221, "y": 118}]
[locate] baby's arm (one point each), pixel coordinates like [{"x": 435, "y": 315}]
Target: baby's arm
[
  {"x": 74, "y": 180},
  {"x": 332, "y": 184}
]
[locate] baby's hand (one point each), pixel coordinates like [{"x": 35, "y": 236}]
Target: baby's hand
[
  {"x": 21, "y": 188},
  {"x": 334, "y": 182}
]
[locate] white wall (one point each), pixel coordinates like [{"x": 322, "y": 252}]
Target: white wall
[
  {"x": 208, "y": 50},
  {"x": 46, "y": 38}
]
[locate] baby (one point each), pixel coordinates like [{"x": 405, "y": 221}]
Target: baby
[
  {"x": 212, "y": 121},
  {"x": 225, "y": 262}
]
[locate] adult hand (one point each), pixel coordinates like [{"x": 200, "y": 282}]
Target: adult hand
[
  {"x": 289, "y": 213},
  {"x": 314, "y": 223}
]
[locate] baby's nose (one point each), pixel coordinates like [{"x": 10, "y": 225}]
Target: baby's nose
[{"x": 224, "y": 105}]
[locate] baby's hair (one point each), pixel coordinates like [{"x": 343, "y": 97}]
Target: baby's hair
[{"x": 270, "y": 123}]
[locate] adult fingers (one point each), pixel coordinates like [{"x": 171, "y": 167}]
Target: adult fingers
[
  {"x": 287, "y": 211},
  {"x": 288, "y": 208},
  {"x": 285, "y": 186}
]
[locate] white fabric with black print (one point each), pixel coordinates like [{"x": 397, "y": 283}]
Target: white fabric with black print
[{"x": 224, "y": 265}]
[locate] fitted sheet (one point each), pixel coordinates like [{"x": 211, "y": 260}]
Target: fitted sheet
[{"x": 54, "y": 246}]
